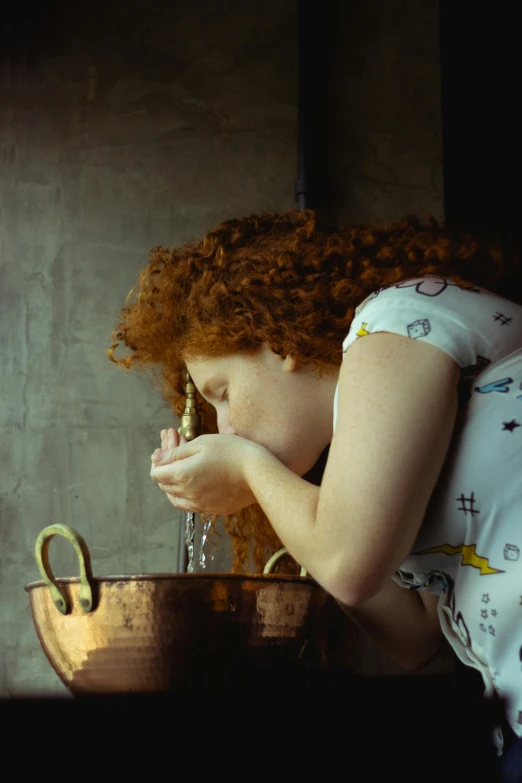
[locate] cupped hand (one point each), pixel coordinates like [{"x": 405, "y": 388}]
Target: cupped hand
[
  {"x": 170, "y": 438},
  {"x": 206, "y": 474}
]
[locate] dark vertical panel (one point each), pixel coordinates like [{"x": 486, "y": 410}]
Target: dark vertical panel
[
  {"x": 318, "y": 38},
  {"x": 481, "y": 86}
]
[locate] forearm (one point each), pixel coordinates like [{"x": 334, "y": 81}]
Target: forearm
[
  {"x": 291, "y": 505},
  {"x": 397, "y": 620},
  {"x": 289, "y": 502}
]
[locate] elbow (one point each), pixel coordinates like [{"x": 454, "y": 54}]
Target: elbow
[
  {"x": 352, "y": 590},
  {"x": 349, "y": 583},
  {"x": 423, "y": 658}
]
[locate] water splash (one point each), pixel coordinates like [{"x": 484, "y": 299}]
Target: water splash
[
  {"x": 207, "y": 520},
  {"x": 190, "y": 528}
]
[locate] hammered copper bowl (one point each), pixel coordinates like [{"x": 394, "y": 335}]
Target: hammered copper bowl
[{"x": 150, "y": 633}]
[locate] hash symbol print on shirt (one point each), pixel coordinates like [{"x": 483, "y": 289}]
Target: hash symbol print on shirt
[
  {"x": 467, "y": 504},
  {"x": 504, "y": 320}
]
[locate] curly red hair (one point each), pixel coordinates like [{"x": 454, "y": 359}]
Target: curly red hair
[{"x": 289, "y": 281}]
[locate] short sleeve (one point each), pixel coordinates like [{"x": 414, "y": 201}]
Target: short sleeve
[
  {"x": 432, "y": 582},
  {"x": 430, "y": 309}
]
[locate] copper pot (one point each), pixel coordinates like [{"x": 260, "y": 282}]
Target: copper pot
[{"x": 145, "y": 633}]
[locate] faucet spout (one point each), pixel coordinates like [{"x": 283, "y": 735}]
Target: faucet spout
[
  {"x": 190, "y": 418},
  {"x": 191, "y": 429}
]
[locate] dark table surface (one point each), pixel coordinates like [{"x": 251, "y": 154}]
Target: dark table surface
[{"x": 426, "y": 726}]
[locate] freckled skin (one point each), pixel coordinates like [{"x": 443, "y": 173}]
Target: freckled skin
[{"x": 285, "y": 407}]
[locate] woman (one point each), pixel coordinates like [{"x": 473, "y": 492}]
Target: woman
[{"x": 421, "y": 417}]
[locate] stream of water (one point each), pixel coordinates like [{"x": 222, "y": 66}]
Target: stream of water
[{"x": 190, "y": 529}]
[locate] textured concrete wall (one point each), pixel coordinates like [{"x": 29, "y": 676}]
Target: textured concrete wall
[{"x": 123, "y": 126}]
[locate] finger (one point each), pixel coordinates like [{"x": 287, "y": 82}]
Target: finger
[
  {"x": 176, "y": 439},
  {"x": 182, "y": 504},
  {"x": 170, "y": 439},
  {"x": 168, "y": 472},
  {"x": 163, "y": 446},
  {"x": 168, "y": 488},
  {"x": 182, "y": 451},
  {"x": 178, "y": 502}
]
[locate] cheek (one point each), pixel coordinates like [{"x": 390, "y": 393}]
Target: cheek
[
  {"x": 250, "y": 416},
  {"x": 269, "y": 416}
]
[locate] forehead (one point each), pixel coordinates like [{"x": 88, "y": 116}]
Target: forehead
[
  {"x": 204, "y": 367},
  {"x": 204, "y": 370}
]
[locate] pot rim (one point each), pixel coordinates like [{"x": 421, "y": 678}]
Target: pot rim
[{"x": 221, "y": 576}]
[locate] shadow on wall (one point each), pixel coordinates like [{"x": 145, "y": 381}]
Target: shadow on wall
[{"x": 372, "y": 109}]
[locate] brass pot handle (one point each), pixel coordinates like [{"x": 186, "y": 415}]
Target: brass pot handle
[
  {"x": 275, "y": 557},
  {"x": 42, "y": 559}
]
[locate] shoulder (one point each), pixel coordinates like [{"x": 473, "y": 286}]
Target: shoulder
[
  {"x": 394, "y": 356},
  {"x": 434, "y": 289},
  {"x": 430, "y": 309},
  {"x": 397, "y": 405}
]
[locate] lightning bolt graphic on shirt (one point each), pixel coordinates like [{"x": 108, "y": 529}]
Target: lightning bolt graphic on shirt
[{"x": 469, "y": 556}]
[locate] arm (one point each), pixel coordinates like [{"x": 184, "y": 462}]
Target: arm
[
  {"x": 397, "y": 411},
  {"x": 403, "y": 623}
]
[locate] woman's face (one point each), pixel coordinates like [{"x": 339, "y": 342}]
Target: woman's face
[{"x": 269, "y": 399}]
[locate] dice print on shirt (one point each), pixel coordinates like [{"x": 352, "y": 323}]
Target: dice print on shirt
[
  {"x": 419, "y": 328},
  {"x": 511, "y": 552}
]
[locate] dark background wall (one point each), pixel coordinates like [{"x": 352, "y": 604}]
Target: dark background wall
[
  {"x": 124, "y": 125},
  {"x": 482, "y": 156}
]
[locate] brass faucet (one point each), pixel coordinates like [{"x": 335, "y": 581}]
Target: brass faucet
[
  {"x": 190, "y": 419},
  {"x": 190, "y": 428}
]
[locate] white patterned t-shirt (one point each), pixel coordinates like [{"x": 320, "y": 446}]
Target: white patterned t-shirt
[{"x": 468, "y": 549}]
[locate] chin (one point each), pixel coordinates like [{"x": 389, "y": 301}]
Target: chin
[
  {"x": 315, "y": 473},
  {"x": 302, "y": 466},
  {"x": 299, "y": 462}
]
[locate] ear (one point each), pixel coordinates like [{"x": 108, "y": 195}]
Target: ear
[{"x": 289, "y": 364}]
